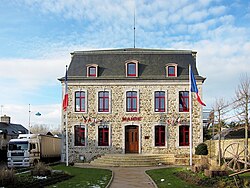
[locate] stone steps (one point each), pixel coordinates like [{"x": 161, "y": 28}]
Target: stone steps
[{"x": 129, "y": 160}]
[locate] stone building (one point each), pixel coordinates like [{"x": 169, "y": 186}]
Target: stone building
[
  {"x": 8, "y": 131},
  {"x": 130, "y": 101}
]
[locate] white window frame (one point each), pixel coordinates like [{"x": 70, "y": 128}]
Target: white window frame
[
  {"x": 166, "y": 101},
  {"x": 171, "y": 65},
  {"x": 110, "y": 101},
  {"x": 86, "y": 101},
  {"x": 124, "y": 135},
  {"x": 86, "y": 135},
  {"x": 178, "y": 93},
  {"x": 138, "y": 101},
  {"x": 178, "y": 136},
  {"x": 96, "y": 69},
  {"x": 110, "y": 135},
  {"x": 136, "y": 62},
  {"x": 166, "y": 136}
]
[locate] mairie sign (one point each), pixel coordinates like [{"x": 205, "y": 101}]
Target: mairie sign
[{"x": 131, "y": 118}]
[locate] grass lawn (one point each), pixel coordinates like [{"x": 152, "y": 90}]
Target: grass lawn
[
  {"x": 165, "y": 178},
  {"x": 84, "y": 177}
]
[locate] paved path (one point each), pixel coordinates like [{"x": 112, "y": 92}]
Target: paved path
[
  {"x": 131, "y": 178},
  {"x": 128, "y": 177}
]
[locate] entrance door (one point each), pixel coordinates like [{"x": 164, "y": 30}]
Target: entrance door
[{"x": 131, "y": 139}]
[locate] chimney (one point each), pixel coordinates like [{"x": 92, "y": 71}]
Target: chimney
[{"x": 5, "y": 119}]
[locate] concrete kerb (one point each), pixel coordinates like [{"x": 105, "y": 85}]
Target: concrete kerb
[
  {"x": 153, "y": 182},
  {"x": 111, "y": 179}
]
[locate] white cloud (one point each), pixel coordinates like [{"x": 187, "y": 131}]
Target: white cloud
[
  {"x": 217, "y": 10},
  {"x": 33, "y": 73},
  {"x": 205, "y": 26},
  {"x": 50, "y": 114}
]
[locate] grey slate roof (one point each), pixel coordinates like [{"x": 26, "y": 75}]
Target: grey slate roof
[
  {"x": 152, "y": 63},
  {"x": 12, "y": 129}
]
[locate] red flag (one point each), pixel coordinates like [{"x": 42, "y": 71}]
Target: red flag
[{"x": 65, "y": 99}]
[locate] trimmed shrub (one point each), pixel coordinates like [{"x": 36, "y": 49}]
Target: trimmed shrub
[{"x": 201, "y": 149}]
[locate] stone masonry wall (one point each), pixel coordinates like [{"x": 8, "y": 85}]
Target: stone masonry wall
[{"x": 172, "y": 119}]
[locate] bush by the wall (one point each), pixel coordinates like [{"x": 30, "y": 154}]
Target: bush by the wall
[
  {"x": 7, "y": 176},
  {"x": 201, "y": 149}
]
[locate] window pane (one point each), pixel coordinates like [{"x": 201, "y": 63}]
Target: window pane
[
  {"x": 157, "y": 94},
  {"x": 77, "y": 104},
  {"x": 103, "y": 101},
  {"x": 77, "y": 94},
  {"x": 129, "y": 94},
  {"x": 100, "y": 102},
  {"x": 131, "y": 69},
  {"x": 162, "y": 106},
  {"x": 159, "y": 101},
  {"x": 100, "y": 94},
  {"x": 79, "y": 101},
  {"x": 131, "y": 100},
  {"x": 83, "y": 105},
  {"x": 92, "y": 71},
  {"x": 103, "y": 136},
  {"x": 134, "y": 104},
  {"x": 171, "y": 71},
  {"x": 106, "y": 94},
  {"x": 159, "y": 135},
  {"x": 184, "y": 135},
  {"x": 134, "y": 94},
  {"x": 183, "y": 101},
  {"x": 79, "y": 135},
  {"x": 106, "y": 104},
  {"x": 157, "y": 105},
  {"x": 129, "y": 103}
]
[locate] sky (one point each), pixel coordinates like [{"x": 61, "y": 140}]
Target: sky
[{"x": 37, "y": 37}]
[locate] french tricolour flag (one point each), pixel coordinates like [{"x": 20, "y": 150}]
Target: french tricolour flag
[
  {"x": 194, "y": 87},
  {"x": 65, "y": 99}
]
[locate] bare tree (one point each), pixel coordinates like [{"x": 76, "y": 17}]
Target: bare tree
[
  {"x": 44, "y": 129},
  {"x": 219, "y": 110},
  {"x": 242, "y": 108}
]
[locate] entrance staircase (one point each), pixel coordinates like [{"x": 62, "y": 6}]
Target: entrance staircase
[{"x": 141, "y": 160}]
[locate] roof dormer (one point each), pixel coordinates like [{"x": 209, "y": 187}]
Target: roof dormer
[
  {"x": 92, "y": 70},
  {"x": 171, "y": 70},
  {"x": 132, "y": 68}
]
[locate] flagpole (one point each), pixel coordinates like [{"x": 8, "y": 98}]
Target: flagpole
[
  {"x": 29, "y": 119},
  {"x": 67, "y": 144},
  {"x": 66, "y": 119},
  {"x": 190, "y": 119}
]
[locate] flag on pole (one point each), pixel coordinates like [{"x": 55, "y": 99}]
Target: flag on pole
[
  {"x": 194, "y": 87},
  {"x": 65, "y": 99}
]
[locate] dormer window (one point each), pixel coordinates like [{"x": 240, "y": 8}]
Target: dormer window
[
  {"x": 92, "y": 70},
  {"x": 171, "y": 70},
  {"x": 132, "y": 68}
]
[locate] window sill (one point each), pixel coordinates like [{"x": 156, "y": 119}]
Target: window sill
[
  {"x": 104, "y": 112},
  {"x": 80, "y": 146},
  {"x": 160, "y": 147},
  {"x": 103, "y": 147},
  {"x": 83, "y": 112},
  {"x": 183, "y": 147}
]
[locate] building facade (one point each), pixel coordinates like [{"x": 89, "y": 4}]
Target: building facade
[
  {"x": 8, "y": 131},
  {"x": 130, "y": 101}
]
